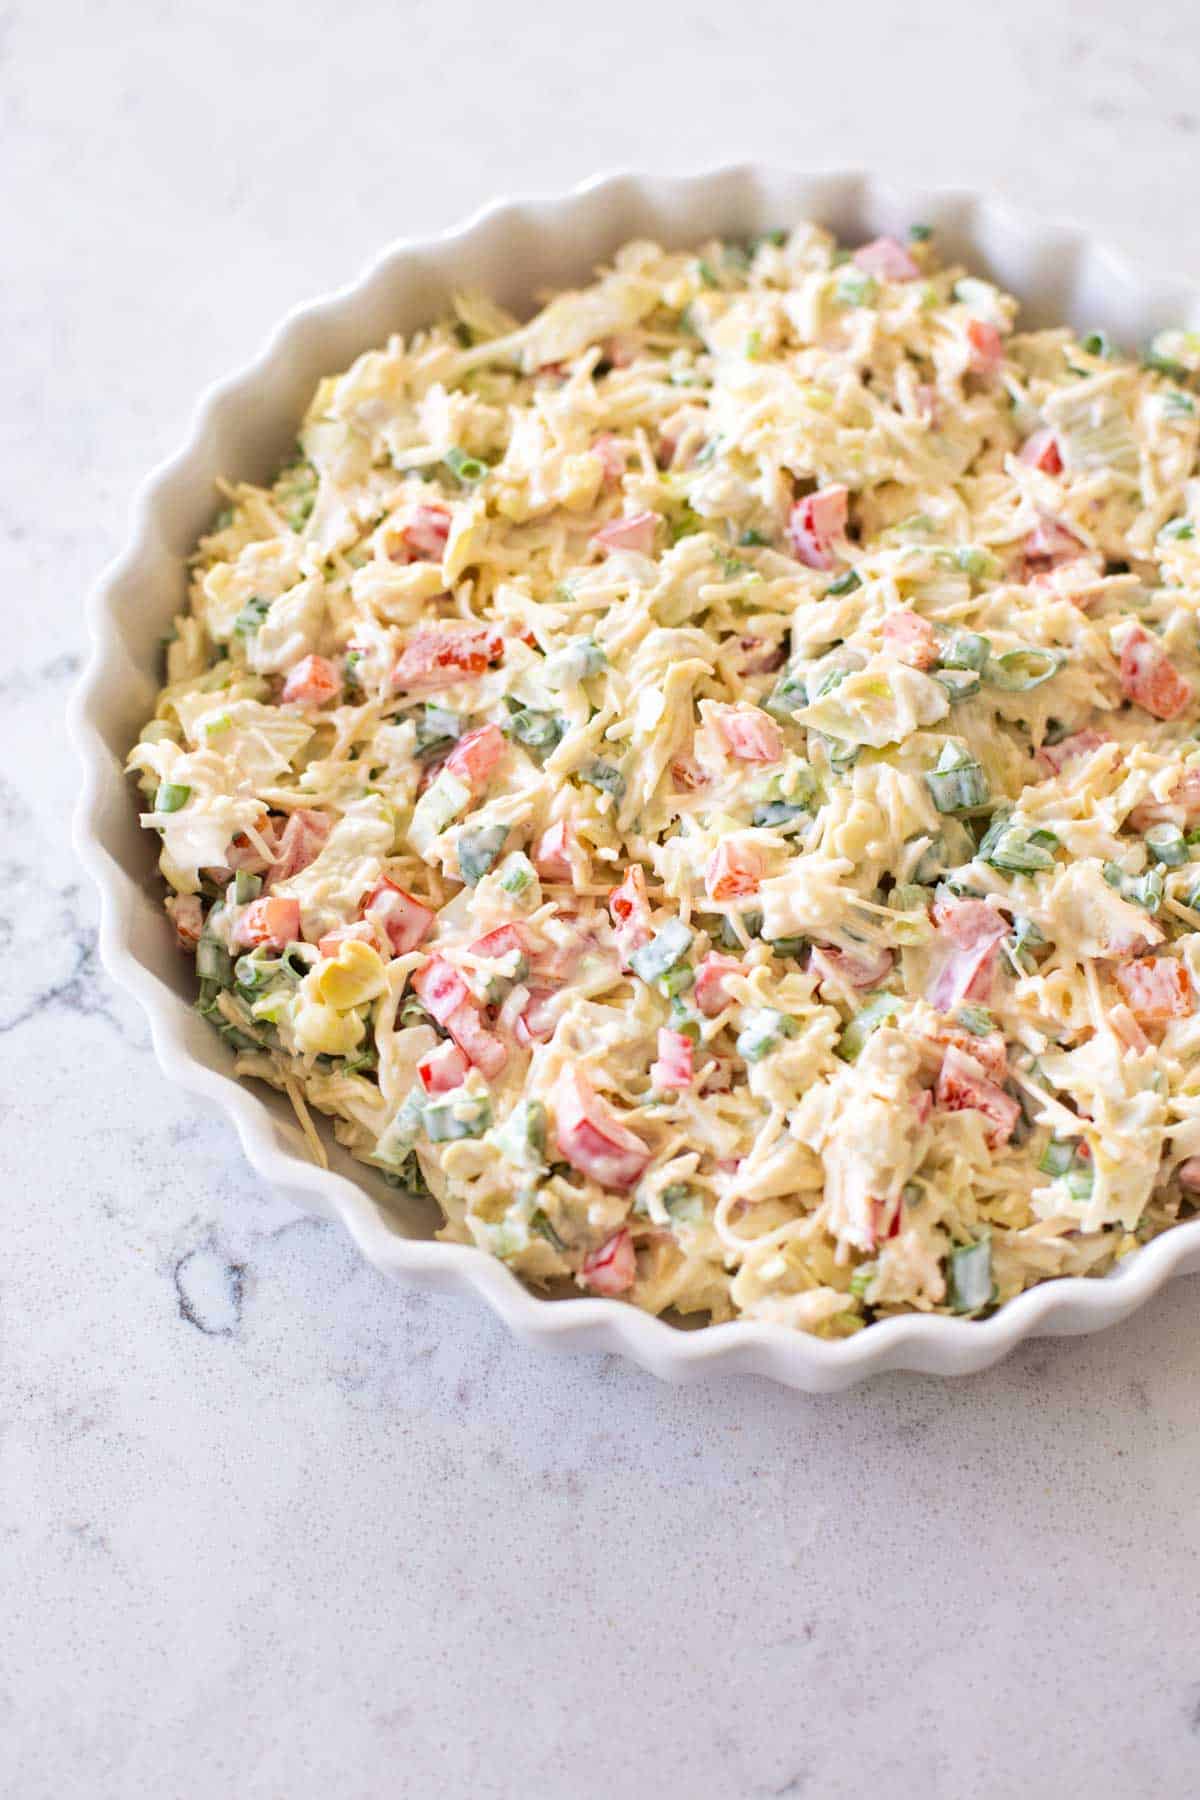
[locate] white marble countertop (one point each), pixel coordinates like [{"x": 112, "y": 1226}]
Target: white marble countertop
[{"x": 271, "y": 1526}]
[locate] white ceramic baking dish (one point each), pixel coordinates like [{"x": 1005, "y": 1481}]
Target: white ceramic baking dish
[{"x": 243, "y": 427}]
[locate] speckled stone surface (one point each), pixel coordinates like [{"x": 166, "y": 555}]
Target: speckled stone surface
[{"x": 270, "y": 1526}]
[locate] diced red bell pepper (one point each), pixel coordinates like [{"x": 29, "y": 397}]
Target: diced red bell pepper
[
  {"x": 1070, "y": 749},
  {"x": 636, "y": 532},
  {"x": 710, "y": 992},
  {"x": 1041, "y": 452},
  {"x": 969, "y": 932},
  {"x": 475, "y": 756},
  {"x": 962, "y": 1085},
  {"x": 612, "y": 1269},
  {"x": 187, "y": 916},
  {"x": 423, "y": 535},
  {"x": 301, "y": 842},
  {"x": 444, "y": 1068},
  {"x": 673, "y": 1069},
  {"x": 504, "y": 941},
  {"x": 406, "y": 920},
  {"x": 488, "y": 1052},
  {"x": 1050, "y": 544},
  {"x": 990, "y": 1050},
  {"x": 816, "y": 523},
  {"x": 592, "y": 1138},
  {"x": 987, "y": 346},
  {"x": 887, "y": 260},
  {"x": 1184, "y": 802},
  {"x": 273, "y": 920},
  {"x": 750, "y": 736},
  {"x": 1156, "y": 989},
  {"x": 612, "y": 457},
  {"x": 860, "y": 969},
  {"x": 688, "y": 775},
  {"x": 311, "y": 682},
  {"x": 910, "y": 639},
  {"x": 536, "y": 1024},
  {"x": 629, "y": 906},
  {"x": 440, "y": 657},
  {"x": 1150, "y": 678},
  {"x": 440, "y": 989},
  {"x": 358, "y": 932},
  {"x": 551, "y": 855},
  {"x": 445, "y": 996},
  {"x": 732, "y": 871}
]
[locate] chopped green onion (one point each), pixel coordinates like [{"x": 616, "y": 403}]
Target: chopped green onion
[
  {"x": 842, "y": 755},
  {"x": 539, "y": 1223},
  {"x": 957, "y": 783},
  {"x": 171, "y": 796},
  {"x": 877, "y": 1011},
  {"x": 478, "y": 850},
  {"x": 787, "y": 698},
  {"x": 920, "y": 234},
  {"x": 443, "y": 801},
  {"x": 1058, "y": 1156},
  {"x": 1177, "y": 405},
  {"x": 246, "y": 887},
  {"x": 1019, "y": 947},
  {"x": 1143, "y": 890},
  {"x": 1019, "y": 671},
  {"x": 685, "y": 524},
  {"x": 683, "y": 1020},
  {"x": 971, "y": 1284},
  {"x": 1166, "y": 844},
  {"x": 1067, "y": 1160},
  {"x": 522, "y": 1137},
  {"x": 435, "y": 728},
  {"x": 705, "y": 272},
  {"x": 909, "y": 896},
  {"x": 574, "y": 662},
  {"x": 960, "y": 684},
  {"x": 602, "y": 775},
  {"x": 975, "y": 1019},
  {"x": 1178, "y": 529},
  {"x": 213, "y": 962},
  {"x": 787, "y": 946},
  {"x": 677, "y": 981},
  {"x": 516, "y": 873},
  {"x": 456, "y": 1116},
  {"x": 979, "y": 564},
  {"x": 667, "y": 947},
  {"x": 777, "y": 815},
  {"x": 256, "y": 973},
  {"x": 1097, "y": 343},
  {"x": 1016, "y": 850},
  {"x": 540, "y": 731},
  {"x": 1172, "y": 352},
  {"x": 845, "y": 584},
  {"x": 966, "y": 650},
  {"x": 466, "y": 469},
  {"x": 684, "y": 1205},
  {"x": 763, "y": 1032},
  {"x": 856, "y": 288},
  {"x": 753, "y": 540},
  {"x": 251, "y": 616}
]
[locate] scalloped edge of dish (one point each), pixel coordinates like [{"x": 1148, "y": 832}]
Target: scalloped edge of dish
[{"x": 1056, "y": 270}]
